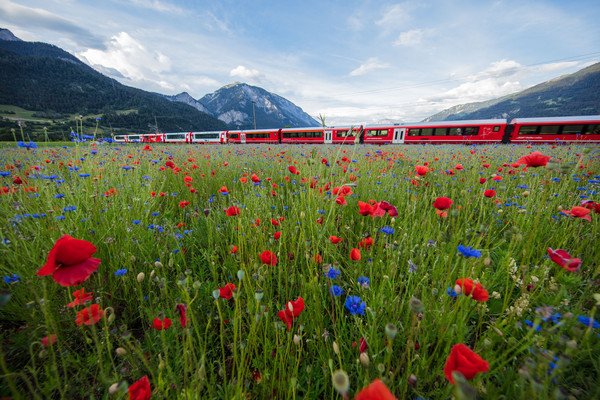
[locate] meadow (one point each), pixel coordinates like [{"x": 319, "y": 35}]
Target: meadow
[{"x": 275, "y": 271}]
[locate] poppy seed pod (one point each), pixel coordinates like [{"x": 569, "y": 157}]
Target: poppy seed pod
[
  {"x": 341, "y": 382},
  {"x": 336, "y": 348},
  {"x": 140, "y": 277},
  {"x": 416, "y": 305},
  {"x": 391, "y": 331},
  {"x": 364, "y": 359}
]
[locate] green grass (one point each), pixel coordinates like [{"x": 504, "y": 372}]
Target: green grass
[{"x": 239, "y": 348}]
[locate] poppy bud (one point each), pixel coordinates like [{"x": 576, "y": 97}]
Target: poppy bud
[
  {"x": 140, "y": 277},
  {"x": 158, "y": 264},
  {"x": 216, "y": 294},
  {"x": 364, "y": 359},
  {"x": 171, "y": 262},
  {"x": 162, "y": 364},
  {"x": 297, "y": 340},
  {"x": 526, "y": 193},
  {"x": 412, "y": 381},
  {"x": 336, "y": 348},
  {"x": 258, "y": 295},
  {"x": 42, "y": 354},
  {"x": 196, "y": 285},
  {"x": 341, "y": 382},
  {"x": 114, "y": 388},
  {"x": 120, "y": 351},
  {"x": 240, "y": 274},
  {"x": 391, "y": 331},
  {"x": 381, "y": 368},
  {"x": 487, "y": 261}
]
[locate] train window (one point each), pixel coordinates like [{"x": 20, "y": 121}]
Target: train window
[
  {"x": 592, "y": 129},
  {"x": 572, "y": 129},
  {"x": 206, "y": 135},
  {"x": 496, "y": 129},
  {"x": 471, "y": 130},
  {"x": 377, "y": 132},
  {"x": 134, "y": 137},
  {"x": 426, "y": 131},
  {"x": 119, "y": 137},
  {"x": 257, "y": 135},
  {"x": 414, "y": 132},
  {"x": 342, "y": 133},
  {"x": 440, "y": 131},
  {"x": 456, "y": 132},
  {"x": 174, "y": 136},
  {"x": 234, "y": 135},
  {"x": 549, "y": 129},
  {"x": 528, "y": 129}
]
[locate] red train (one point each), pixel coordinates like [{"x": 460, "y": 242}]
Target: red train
[{"x": 520, "y": 130}]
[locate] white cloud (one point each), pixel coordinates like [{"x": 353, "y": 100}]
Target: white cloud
[
  {"x": 394, "y": 16},
  {"x": 409, "y": 38},
  {"x": 159, "y": 6},
  {"x": 245, "y": 73},
  {"x": 370, "y": 65},
  {"x": 131, "y": 59},
  {"x": 11, "y": 12}
]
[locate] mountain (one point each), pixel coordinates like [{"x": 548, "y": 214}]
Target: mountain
[
  {"x": 235, "y": 104},
  {"x": 5, "y": 34},
  {"x": 44, "y": 78},
  {"x": 568, "y": 95},
  {"x": 187, "y": 99}
]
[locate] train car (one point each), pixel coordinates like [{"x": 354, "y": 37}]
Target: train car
[
  {"x": 135, "y": 138},
  {"x": 209, "y": 137},
  {"x": 342, "y": 134},
  {"x": 234, "y": 137},
  {"x": 302, "y": 135},
  {"x": 259, "y": 136},
  {"x": 120, "y": 139},
  {"x": 468, "y": 132},
  {"x": 178, "y": 137},
  {"x": 384, "y": 134},
  {"x": 153, "y": 138},
  {"x": 556, "y": 129}
]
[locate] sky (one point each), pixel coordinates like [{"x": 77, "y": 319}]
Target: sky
[{"x": 352, "y": 62}]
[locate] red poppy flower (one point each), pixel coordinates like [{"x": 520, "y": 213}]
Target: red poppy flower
[
  {"x": 255, "y": 178},
  {"x": 579, "y": 212},
  {"x": 181, "y": 308},
  {"x": 292, "y": 310},
  {"x": 183, "y": 203},
  {"x": 355, "y": 254},
  {"x": 477, "y": 292},
  {"x": 268, "y": 258},
  {"x": 335, "y": 239},
  {"x": 562, "y": 258},
  {"x": 69, "y": 261},
  {"x": 49, "y": 340},
  {"x": 489, "y": 193},
  {"x": 421, "y": 170},
  {"x": 341, "y": 200},
  {"x": 277, "y": 235},
  {"x": 465, "y": 361},
  {"x": 80, "y": 297},
  {"x": 292, "y": 169},
  {"x": 482, "y": 180},
  {"x": 375, "y": 391},
  {"x": 459, "y": 167},
  {"x": 140, "y": 390},
  {"x": 227, "y": 291},
  {"x": 366, "y": 243},
  {"x": 387, "y": 207},
  {"x": 535, "y": 159},
  {"x": 274, "y": 222},
  {"x": 233, "y": 249},
  {"x": 89, "y": 315},
  {"x": 232, "y": 211},
  {"x": 441, "y": 214},
  {"x": 442, "y": 203},
  {"x": 159, "y": 324}
]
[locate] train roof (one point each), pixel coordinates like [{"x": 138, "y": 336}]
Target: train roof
[
  {"x": 441, "y": 123},
  {"x": 258, "y": 130},
  {"x": 307, "y": 128},
  {"x": 581, "y": 118}
]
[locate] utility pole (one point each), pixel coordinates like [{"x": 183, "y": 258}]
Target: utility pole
[{"x": 254, "y": 113}]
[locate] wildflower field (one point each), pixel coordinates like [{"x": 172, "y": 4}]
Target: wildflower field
[{"x": 274, "y": 271}]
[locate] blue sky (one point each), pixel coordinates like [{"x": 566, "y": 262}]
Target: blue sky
[{"x": 352, "y": 61}]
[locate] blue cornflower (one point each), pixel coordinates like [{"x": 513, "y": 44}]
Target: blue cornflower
[
  {"x": 387, "y": 230},
  {"x": 11, "y": 279},
  {"x": 332, "y": 273},
  {"x": 121, "y": 272},
  {"x": 588, "y": 321},
  {"x": 155, "y": 214},
  {"x": 336, "y": 290},
  {"x": 451, "y": 292},
  {"x": 363, "y": 281},
  {"x": 84, "y": 175},
  {"x": 30, "y": 145},
  {"x": 468, "y": 251},
  {"x": 59, "y": 196},
  {"x": 355, "y": 305}
]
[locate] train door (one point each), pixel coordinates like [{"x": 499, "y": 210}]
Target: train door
[
  {"x": 328, "y": 136},
  {"x": 398, "y": 135},
  {"x": 243, "y": 137}
]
